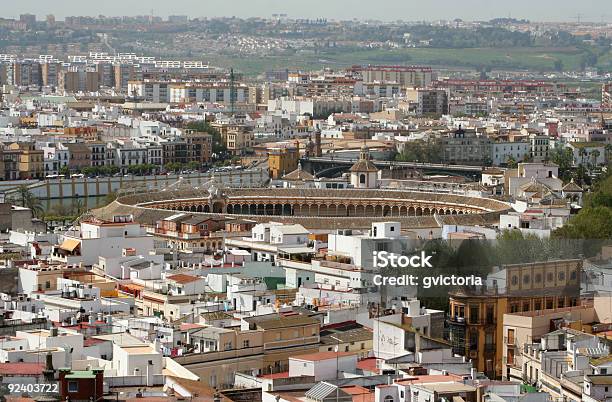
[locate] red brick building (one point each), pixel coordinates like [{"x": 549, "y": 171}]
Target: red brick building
[{"x": 81, "y": 385}]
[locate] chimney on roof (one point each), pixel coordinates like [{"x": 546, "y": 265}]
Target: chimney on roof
[{"x": 49, "y": 372}]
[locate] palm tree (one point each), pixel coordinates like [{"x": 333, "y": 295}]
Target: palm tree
[
  {"x": 594, "y": 155},
  {"x": 583, "y": 153},
  {"x": 608, "y": 152},
  {"x": 23, "y": 193},
  {"x": 28, "y": 200}
]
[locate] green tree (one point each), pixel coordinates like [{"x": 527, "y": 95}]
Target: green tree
[
  {"x": 90, "y": 171},
  {"x": 511, "y": 163},
  {"x": 608, "y": 152},
  {"x": 78, "y": 208},
  {"x": 27, "y": 199},
  {"x": 109, "y": 170},
  {"x": 564, "y": 158},
  {"x": 173, "y": 166},
  {"x": 193, "y": 165},
  {"x": 421, "y": 151},
  {"x": 580, "y": 175},
  {"x": 595, "y": 154},
  {"x": 590, "y": 223},
  {"x": 583, "y": 153},
  {"x": 594, "y": 222}
]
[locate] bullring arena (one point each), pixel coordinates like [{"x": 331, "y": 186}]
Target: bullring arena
[{"x": 313, "y": 208}]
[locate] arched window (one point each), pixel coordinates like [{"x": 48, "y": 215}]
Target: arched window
[
  {"x": 389, "y": 398},
  {"x": 362, "y": 179}
]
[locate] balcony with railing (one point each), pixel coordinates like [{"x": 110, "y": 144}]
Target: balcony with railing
[
  {"x": 288, "y": 343},
  {"x": 457, "y": 320},
  {"x": 215, "y": 356},
  {"x": 478, "y": 291},
  {"x": 480, "y": 321}
]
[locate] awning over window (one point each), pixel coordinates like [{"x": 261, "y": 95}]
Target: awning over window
[
  {"x": 70, "y": 244},
  {"x": 133, "y": 286}
]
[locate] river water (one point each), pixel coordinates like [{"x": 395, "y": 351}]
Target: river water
[{"x": 87, "y": 202}]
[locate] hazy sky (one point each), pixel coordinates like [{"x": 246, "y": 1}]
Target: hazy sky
[{"x": 535, "y": 10}]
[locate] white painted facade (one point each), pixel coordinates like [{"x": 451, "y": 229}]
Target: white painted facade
[
  {"x": 109, "y": 240},
  {"x": 327, "y": 366},
  {"x": 138, "y": 361},
  {"x": 502, "y": 151}
]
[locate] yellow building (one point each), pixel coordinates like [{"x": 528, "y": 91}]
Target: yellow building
[
  {"x": 285, "y": 336},
  {"x": 41, "y": 278},
  {"x": 263, "y": 348},
  {"x": 282, "y": 161},
  {"x": 108, "y": 288},
  {"x": 224, "y": 127},
  {"x": 530, "y": 327},
  {"x": 239, "y": 351},
  {"x": 238, "y": 141},
  {"x": 350, "y": 337},
  {"x": 31, "y": 161},
  {"x": 476, "y": 315}
]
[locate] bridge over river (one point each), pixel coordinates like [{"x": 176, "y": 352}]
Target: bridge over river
[{"x": 330, "y": 167}]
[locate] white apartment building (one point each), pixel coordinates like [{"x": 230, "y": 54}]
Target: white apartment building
[
  {"x": 268, "y": 238},
  {"x": 208, "y": 93},
  {"x": 132, "y": 266},
  {"x": 108, "y": 239},
  {"x": 539, "y": 147},
  {"x": 562, "y": 361},
  {"x": 150, "y": 91},
  {"x": 33, "y": 346},
  {"x": 537, "y": 221},
  {"x": 141, "y": 362},
  {"x": 128, "y": 153},
  {"x": 546, "y": 174},
  {"x": 346, "y": 275},
  {"x": 501, "y": 152},
  {"x": 287, "y": 105},
  {"x": 56, "y": 157},
  {"x": 322, "y": 365},
  {"x": 584, "y": 153}
]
